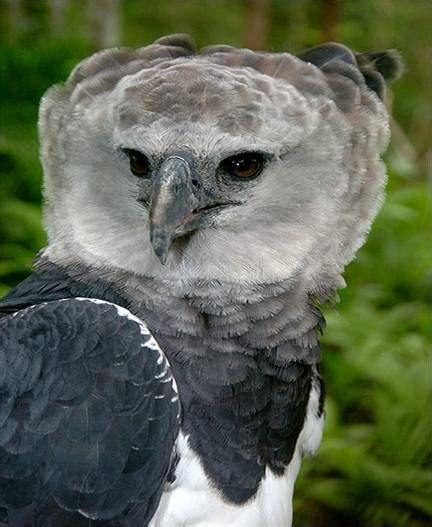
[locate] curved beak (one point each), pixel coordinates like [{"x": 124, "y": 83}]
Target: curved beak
[{"x": 172, "y": 202}]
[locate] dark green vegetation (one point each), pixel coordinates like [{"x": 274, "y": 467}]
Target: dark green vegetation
[{"x": 372, "y": 468}]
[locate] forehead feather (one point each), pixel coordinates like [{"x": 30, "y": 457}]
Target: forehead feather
[
  {"x": 235, "y": 101},
  {"x": 168, "y": 84}
]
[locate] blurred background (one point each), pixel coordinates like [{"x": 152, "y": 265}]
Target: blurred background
[{"x": 373, "y": 468}]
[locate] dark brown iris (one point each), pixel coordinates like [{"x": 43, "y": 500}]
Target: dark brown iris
[
  {"x": 247, "y": 165},
  {"x": 139, "y": 163}
]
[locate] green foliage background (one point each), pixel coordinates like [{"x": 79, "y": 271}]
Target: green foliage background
[{"x": 373, "y": 468}]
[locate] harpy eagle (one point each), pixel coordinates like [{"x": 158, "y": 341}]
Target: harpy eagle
[{"x": 161, "y": 365}]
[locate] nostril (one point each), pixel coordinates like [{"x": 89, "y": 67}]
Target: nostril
[{"x": 195, "y": 182}]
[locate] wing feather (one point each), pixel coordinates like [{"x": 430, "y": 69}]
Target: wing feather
[{"x": 89, "y": 414}]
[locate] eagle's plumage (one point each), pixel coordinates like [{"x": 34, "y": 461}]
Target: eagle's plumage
[{"x": 199, "y": 206}]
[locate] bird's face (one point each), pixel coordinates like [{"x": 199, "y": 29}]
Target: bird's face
[{"x": 196, "y": 171}]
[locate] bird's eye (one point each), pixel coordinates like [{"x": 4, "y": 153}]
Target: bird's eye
[
  {"x": 247, "y": 165},
  {"x": 138, "y": 162}
]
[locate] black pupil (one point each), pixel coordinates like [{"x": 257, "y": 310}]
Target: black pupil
[
  {"x": 139, "y": 163},
  {"x": 244, "y": 165}
]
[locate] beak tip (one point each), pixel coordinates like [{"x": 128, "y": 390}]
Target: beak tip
[
  {"x": 162, "y": 258},
  {"x": 161, "y": 244}
]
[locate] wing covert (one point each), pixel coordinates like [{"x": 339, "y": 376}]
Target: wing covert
[{"x": 89, "y": 414}]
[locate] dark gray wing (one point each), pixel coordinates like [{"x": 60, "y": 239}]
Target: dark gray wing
[{"x": 89, "y": 414}]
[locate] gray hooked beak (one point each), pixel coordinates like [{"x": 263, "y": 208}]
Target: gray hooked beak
[{"x": 173, "y": 200}]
